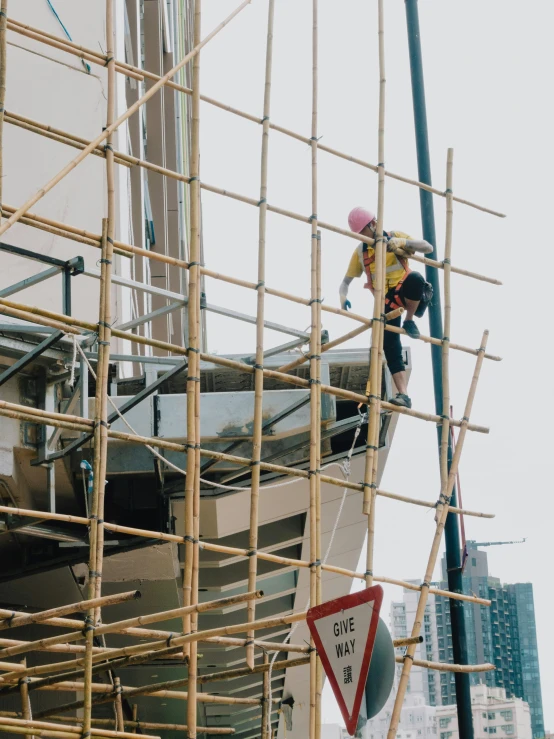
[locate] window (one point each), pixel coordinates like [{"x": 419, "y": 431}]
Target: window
[
  {"x": 508, "y": 729},
  {"x": 443, "y": 722},
  {"x": 506, "y": 715},
  {"x": 492, "y": 729},
  {"x": 446, "y": 734},
  {"x": 473, "y": 562},
  {"x": 484, "y": 715},
  {"x": 492, "y": 716}
]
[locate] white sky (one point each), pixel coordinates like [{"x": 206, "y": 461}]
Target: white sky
[{"x": 488, "y": 96}]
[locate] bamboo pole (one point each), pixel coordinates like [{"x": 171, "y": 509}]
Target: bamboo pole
[
  {"x": 446, "y": 492},
  {"x": 119, "y": 626},
  {"x": 265, "y": 700},
  {"x": 137, "y": 73},
  {"x": 377, "y": 334},
  {"x": 111, "y": 128},
  {"x": 12, "y": 622},
  {"x": 136, "y": 724},
  {"x": 319, "y": 555},
  {"x": 96, "y": 731},
  {"x": 445, "y": 428},
  {"x": 447, "y": 666},
  {"x": 120, "y": 723},
  {"x": 258, "y": 366},
  {"x": 25, "y": 698},
  {"x": 3, "y": 69}
]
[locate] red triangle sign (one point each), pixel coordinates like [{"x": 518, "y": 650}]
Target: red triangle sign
[{"x": 344, "y": 633}]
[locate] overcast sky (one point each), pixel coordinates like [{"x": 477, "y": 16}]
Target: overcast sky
[{"x": 489, "y": 97}]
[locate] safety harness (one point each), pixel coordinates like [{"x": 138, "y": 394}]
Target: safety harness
[{"x": 394, "y": 301}]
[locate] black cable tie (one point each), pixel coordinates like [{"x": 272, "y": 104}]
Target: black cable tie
[
  {"x": 191, "y": 446},
  {"x": 103, "y": 343},
  {"x": 251, "y": 553},
  {"x": 248, "y": 642},
  {"x": 372, "y": 446},
  {"x": 409, "y": 656},
  {"x": 193, "y": 379},
  {"x": 315, "y": 300},
  {"x": 379, "y": 238},
  {"x": 311, "y": 649},
  {"x": 118, "y": 690},
  {"x": 192, "y": 179},
  {"x": 263, "y": 200},
  {"x": 425, "y": 584},
  {"x": 448, "y": 191},
  {"x": 481, "y": 349},
  {"x": 192, "y": 349},
  {"x": 258, "y": 366},
  {"x": 94, "y": 573},
  {"x": 191, "y": 539},
  {"x": 103, "y": 323},
  {"x": 100, "y": 423},
  {"x": 446, "y": 338},
  {"x": 313, "y": 472},
  {"x": 315, "y": 236},
  {"x": 368, "y": 573},
  {"x": 261, "y": 283},
  {"x": 108, "y": 60},
  {"x": 10, "y": 619},
  {"x": 169, "y": 638},
  {"x": 314, "y": 382},
  {"x": 313, "y": 217},
  {"x": 317, "y": 563},
  {"x": 375, "y": 397},
  {"x": 194, "y": 264},
  {"x": 465, "y": 418},
  {"x": 3, "y": 15},
  {"x": 446, "y": 418},
  {"x": 108, "y": 147},
  {"x": 446, "y": 260},
  {"x": 368, "y": 485},
  {"x": 381, "y": 164},
  {"x": 265, "y": 118},
  {"x": 85, "y": 734},
  {"x": 254, "y": 462},
  {"x": 105, "y": 261},
  {"x": 314, "y": 356}
]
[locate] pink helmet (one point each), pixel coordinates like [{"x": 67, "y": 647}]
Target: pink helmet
[{"x": 358, "y": 219}]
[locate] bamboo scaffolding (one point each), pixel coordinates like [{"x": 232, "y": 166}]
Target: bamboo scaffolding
[
  {"x": 111, "y": 128},
  {"x": 96, "y": 731},
  {"x": 32, "y": 313},
  {"x": 165, "y": 689},
  {"x": 259, "y": 360},
  {"x": 137, "y": 73},
  {"x": 3, "y": 22},
  {"x": 446, "y": 492},
  {"x": 12, "y": 622},
  {"x": 25, "y": 699},
  {"x": 120, "y": 723},
  {"x": 265, "y": 700},
  {"x": 135, "y": 723},
  {"x": 377, "y": 333},
  {"x": 118, "y": 627}
]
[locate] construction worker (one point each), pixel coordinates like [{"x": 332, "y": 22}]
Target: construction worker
[{"x": 403, "y": 289}]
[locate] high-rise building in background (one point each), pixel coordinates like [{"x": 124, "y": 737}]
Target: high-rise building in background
[{"x": 504, "y": 635}]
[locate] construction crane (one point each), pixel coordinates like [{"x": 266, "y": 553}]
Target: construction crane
[{"x": 495, "y": 543}]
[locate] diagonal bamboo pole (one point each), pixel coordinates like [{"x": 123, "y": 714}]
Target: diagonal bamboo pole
[
  {"x": 96, "y": 731},
  {"x": 25, "y": 698},
  {"x": 265, "y": 726},
  {"x": 446, "y": 492},
  {"x": 445, "y": 428},
  {"x": 139, "y": 74},
  {"x": 260, "y": 305},
  {"x": 377, "y": 334},
  {"x": 12, "y": 622},
  {"x": 121, "y": 119}
]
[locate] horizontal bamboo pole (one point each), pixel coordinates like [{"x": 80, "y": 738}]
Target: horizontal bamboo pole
[
  {"x": 137, "y": 73},
  {"x": 35, "y": 618},
  {"x": 139, "y": 724},
  {"x": 164, "y": 689},
  {"x": 117, "y": 625},
  {"x": 62, "y": 727},
  {"x": 447, "y": 667},
  {"x": 235, "y": 551},
  {"x": 73, "y": 324}
]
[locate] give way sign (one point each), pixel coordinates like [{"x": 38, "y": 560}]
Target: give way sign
[{"x": 344, "y": 633}]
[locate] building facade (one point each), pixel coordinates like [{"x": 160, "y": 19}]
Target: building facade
[
  {"x": 504, "y": 635},
  {"x": 493, "y": 715}
]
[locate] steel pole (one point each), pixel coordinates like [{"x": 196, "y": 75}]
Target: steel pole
[{"x": 452, "y": 533}]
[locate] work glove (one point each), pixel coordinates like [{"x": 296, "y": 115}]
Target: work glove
[
  {"x": 346, "y": 305},
  {"x": 400, "y": 247}
]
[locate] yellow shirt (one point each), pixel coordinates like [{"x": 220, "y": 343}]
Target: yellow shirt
[{"x": 394, "y": 270}]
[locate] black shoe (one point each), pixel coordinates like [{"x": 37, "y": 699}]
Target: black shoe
[
  {"x": 411, "y": 329},
  {"x": 402, "y": 400}
]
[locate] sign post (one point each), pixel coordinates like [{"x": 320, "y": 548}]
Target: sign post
[{"x": 344, "y": 631}]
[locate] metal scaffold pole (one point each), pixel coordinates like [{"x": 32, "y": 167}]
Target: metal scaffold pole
[{"x": 452, "y": 534}]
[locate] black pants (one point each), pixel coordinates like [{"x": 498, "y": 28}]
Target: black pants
[{"x": 412, "y": 289}]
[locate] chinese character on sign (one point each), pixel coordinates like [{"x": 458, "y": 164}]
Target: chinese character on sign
[{"x": 347, "y": 674}]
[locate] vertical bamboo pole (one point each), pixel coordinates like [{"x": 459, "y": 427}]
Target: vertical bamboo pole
[
  {"x": 119, "y": 723},
  {"x": 446, "y": 492},
  {"x": 25, "y": 699},
  {"x": 259, "y": 375},
  {"x": 135, "y": 718},
  {"x": 192, "y": 492},
  {"x": 266, "y": 708},
  {"x": 319, "y": 584},
  {"x": 445, "y": 429},
  {"x": 315, "y": 383},
  {"x": 3, "y": 21},
  {"x": 378, "y": 330}
]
